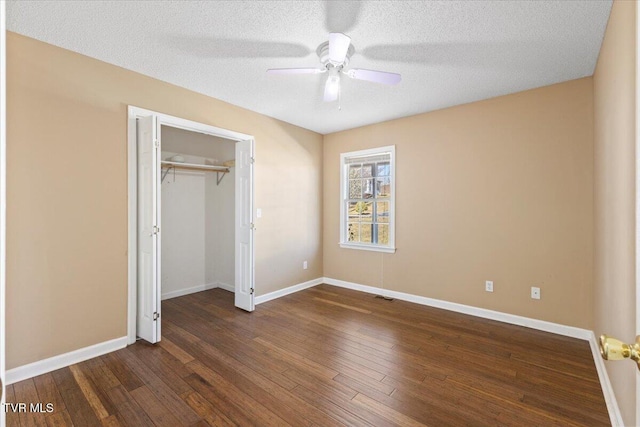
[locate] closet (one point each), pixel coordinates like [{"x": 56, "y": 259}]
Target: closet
[{"x": 197, "y": 212}]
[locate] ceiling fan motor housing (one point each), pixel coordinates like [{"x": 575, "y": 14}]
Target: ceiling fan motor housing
[{"x": 323, "y": 54}]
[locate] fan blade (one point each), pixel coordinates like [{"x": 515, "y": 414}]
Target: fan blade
[
  {"x": 332, "y": 88},
  {"x": 295, "y": 71},
  {"x": 338, "y": 47},
  {"x": 375, "y": 76}
]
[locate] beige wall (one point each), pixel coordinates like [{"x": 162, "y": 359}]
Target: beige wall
[
  {"x": 67, "y": 195},
  {"x": 496, "y": 190},
  {"x": 615, "y": 139}
]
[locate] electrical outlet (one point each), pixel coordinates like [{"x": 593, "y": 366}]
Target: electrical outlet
[
  {"x": 535, "y": 292},
  {"x": 488, "y": 286},
  {"x": 305, "y": 265}
]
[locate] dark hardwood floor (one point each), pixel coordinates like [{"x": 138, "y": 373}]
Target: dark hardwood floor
[{"x": 325, "y": 356}]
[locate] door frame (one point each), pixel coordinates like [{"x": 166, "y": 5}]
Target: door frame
[
  {"x": 132, "y": 165},
  {"x": 3, "y": 197},
  {"x": 637, "y": 205}
]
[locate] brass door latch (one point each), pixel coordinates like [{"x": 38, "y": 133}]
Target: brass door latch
[{"x": 614, "y": 349}]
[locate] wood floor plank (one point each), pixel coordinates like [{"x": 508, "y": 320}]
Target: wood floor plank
[
  {"x": 220, "y": 400},
  {"x": 164, "y": 365},
  {"x": 436, "y": 405},
  {"x": 209, "y": 412},
  {"x": 320, "y": 385},
  {"x": 296, "y": 359},
  {"x": 294, "y": 406},
  {"x": 386, "y": 412},
  {"x": 111, "y": 421},
  {"x": 324, "y": 346},
  {"x": 348, "y": 307},
  {"x": 175, "y": 351},
  {"x": 259, "y": 413},
  {"x": 100, "y": 374},
  {"x": 77, "y": 405},
  {"x": 121, "y": 371},
  {"x": 129, "y": 412},
  {"x": 89, "y": 392},
  {"x": 335, "y": 411},
  {"x": 48, "y": 392},
  {"x": 25, "y": 392},
  {"x": 149, "y": 403},
  {"x": 326, "y": 357},
  {"x": 162, "y": 391},
  {"x": 13, "y": 419},
  {"x": 261, "y": 388},
  {"x": 363, "y": 384},
  {"x": 247, "y": 354},
  {"x": 59, "y": 419}
]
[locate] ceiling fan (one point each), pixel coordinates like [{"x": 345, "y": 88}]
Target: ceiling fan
[{"x": 334, "y": 56}]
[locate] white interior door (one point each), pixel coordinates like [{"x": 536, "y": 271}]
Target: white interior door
[
  {"x": 244, "y": 275},
  {"x": 148, "y": 296}
]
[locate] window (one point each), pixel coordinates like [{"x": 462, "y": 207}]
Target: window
[{"x": 367, "y": 181}]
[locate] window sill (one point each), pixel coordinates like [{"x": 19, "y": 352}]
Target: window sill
[{"x": 385, "y": 249}]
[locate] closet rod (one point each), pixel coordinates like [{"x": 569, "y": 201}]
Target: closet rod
[{"x": 179, "y": 165}]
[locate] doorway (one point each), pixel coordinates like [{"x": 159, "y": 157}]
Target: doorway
[{"x": 150, "y": 164}]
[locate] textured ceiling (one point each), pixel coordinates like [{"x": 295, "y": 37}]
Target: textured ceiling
[{"x": 448, "y": 53}]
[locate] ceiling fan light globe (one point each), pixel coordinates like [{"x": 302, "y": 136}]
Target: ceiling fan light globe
[{"x": 332, "y": 88}]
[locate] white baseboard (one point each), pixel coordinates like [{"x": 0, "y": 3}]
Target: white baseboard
[
  {"x": 607, "y": 390},
  {"x": 542, "y": 325},
  {"x": 63, "y": 360},
  {"x": 191, "y": 290},
  {"x": 286, "y": 291},
  {"x": 227, "y": 287}
]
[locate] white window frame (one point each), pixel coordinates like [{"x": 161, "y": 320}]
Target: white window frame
[{"x": 344, "y": 243}]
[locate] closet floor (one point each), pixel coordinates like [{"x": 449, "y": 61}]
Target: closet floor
[{"x": 324, "y": 356}]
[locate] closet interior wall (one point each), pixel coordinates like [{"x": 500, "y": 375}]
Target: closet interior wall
[{"x": 197, "y": 215}]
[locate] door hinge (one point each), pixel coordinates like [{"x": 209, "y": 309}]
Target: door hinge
[
  {"x": 155, "y": 230},
  {"x": 156, "y": 143},
  {"x": 253, "y": 160},
  {"x": 252, "y": 226},
  {"x": 156, "y": 316},
  {"x": 251, "y": 291}
]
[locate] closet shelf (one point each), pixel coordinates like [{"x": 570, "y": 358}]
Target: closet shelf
[{"x": 179, "y": 165}]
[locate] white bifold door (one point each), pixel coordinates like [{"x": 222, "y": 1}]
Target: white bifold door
[
  {"x": 244, "y": 276},
  {"x": 148, "y": 150},
  {"x": 148, "y": 295}
]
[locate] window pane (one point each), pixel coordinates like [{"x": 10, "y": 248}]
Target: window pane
[
  {"x": 352, "y": 210},
  {"x": 355, "y": 171},
  {"x": 353, "y": 232},
  {"x": 367, "y": 188},
  {"x": 367, "y": 170},
  {"x": 366, "y": 211},
  {"x": 383, "y": 169},
  {"x": 382, "y": 211},
  {"x": 355, "y": 189},
  {"x": 383, "y": 187},
  {"x": 365, "y": 232},
  {"x": 367, "y": 178},
  {"x": 383, "y": 234}
]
